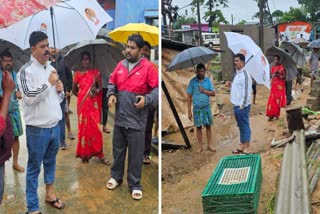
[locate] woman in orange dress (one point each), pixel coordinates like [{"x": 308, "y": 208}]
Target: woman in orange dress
[
  {"x": 277, "y": 97},
  {"x": 87, "y": 87}
]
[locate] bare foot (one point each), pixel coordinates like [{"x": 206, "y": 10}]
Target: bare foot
[
  {"x": 247, "y": 152},
  {"x": 36, "y": 212},
  {"x": 211, "y": 148},
  {"x": 18, "y": 168},
  {"x": 199, "y": 150}
]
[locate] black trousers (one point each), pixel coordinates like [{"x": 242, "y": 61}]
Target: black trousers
[
  {"x": 148, "y": 132},
  {"x": 289, "y": 92},
  {"x": 105, "y": 108}
]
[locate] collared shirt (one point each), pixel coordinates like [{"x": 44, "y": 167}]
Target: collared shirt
[
  {"x": 241, "y": 89},
  {"x": 199, "y": 99},
  {"x": 40, "y": 100},
  {"x": 314, "y": 61}
]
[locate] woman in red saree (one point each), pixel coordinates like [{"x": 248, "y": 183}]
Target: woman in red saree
[
  {"x": 277, "y": 97},
  {"x": 87, "y": 87}
]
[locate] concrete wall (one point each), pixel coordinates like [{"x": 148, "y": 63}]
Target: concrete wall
[
  {"x": 128, "y": 11},
  {"x": 109, "y": 6},
  {"x": 110, "y": 25},
  {"x": 250, "y": 30},
  {"x": 132, "y": 11}
]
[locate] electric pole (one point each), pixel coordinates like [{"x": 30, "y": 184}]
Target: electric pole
[
  {"x": 261, "y": 38},
  {"x": 199, "y": 22}
]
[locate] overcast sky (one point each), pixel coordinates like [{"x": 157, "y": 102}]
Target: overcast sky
[{"x": 240, "y": 9}]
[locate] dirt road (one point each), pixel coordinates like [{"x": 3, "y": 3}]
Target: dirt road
[{"x": 185, "y": 173}]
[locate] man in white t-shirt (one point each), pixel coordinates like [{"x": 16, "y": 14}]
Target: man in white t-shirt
[
  {"x": 42, "y": 93},
  {"x": 240, "y": 97}
]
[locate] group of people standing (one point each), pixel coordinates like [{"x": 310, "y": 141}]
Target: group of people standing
[
  {"x": 44, "y": 85},
  {"x": 200, "y": 89}
]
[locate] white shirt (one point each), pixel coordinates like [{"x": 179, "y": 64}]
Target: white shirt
[
  {"x": 40, "y": 100},
  {"x": 314, "y": 61},
  {"x": 241, "y": 89}
]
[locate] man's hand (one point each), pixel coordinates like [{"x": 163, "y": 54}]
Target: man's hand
[
  {"x": 59, "y": 86},
  {"x": 112, "y": 99},
  {"x": 7, "y": 83},
  {"x": 18, "y": 94},
  {"x": 53, "y": 77},
  {"x": 190, "y": 115},
  {"x": 141, "y": 103},
  {"x": 201, "y": 89}
]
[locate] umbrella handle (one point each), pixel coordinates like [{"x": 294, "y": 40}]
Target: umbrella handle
[{"x": 248, "y": 59}]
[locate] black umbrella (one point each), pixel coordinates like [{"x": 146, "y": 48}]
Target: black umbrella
[
  {"x": 20, "y": 57},
  {"x": 191, "y": 57},
  {"x": 285, "y": 59},
  {"x": 105, "y": 55},
  {"x": 295, "y": 52}
]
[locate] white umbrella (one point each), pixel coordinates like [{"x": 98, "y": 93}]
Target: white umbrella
[
  {"x": 303, "y": 43},
  {"x": 314, "y": 44},
  {"x": 74, "y": 21},
  {"x": 256, "y": 62}
]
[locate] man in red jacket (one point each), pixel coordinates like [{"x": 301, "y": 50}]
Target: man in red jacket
[{"x": 133, "y": 86}]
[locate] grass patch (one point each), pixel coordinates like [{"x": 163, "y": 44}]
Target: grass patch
[
  {"x": 277, "y": 156},
  {"x": 271, "y": 203},
  {"x": 281, "y": 122},
  {"x": 217, "y": 58},
  {"x": 216, "y": 67},
  {"x": 314, "y": 163}
]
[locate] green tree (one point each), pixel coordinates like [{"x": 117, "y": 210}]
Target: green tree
[
  {"x": 277, "y": 15},
  {"x": 312, "y": 8},
  {"x": 213, "y": 15},
  {"x": 267, "y": 17},
  {"x": 182, "y": 20},
  {"x": 294, "y": 14},
  {"x": 242, "y": 22}
]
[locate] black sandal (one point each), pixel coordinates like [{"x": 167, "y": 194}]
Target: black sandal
[
  {"x": 52, "y": 203},
  {"x": 237, "y": 151},
  {"x": 247, "y": 153},
  {"x": 105, "y": 161},
  {"x": 146, "y": 160}
]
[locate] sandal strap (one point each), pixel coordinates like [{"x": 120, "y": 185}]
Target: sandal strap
[{"x": 136, "y": 191}]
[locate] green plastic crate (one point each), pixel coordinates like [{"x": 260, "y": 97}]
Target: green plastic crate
[{"x": 234, "y": 187}]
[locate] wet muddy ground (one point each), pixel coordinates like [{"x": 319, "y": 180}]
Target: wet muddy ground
[
  {"x": 81, "y": 186},
  {"x": 186, "y": 173}
]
